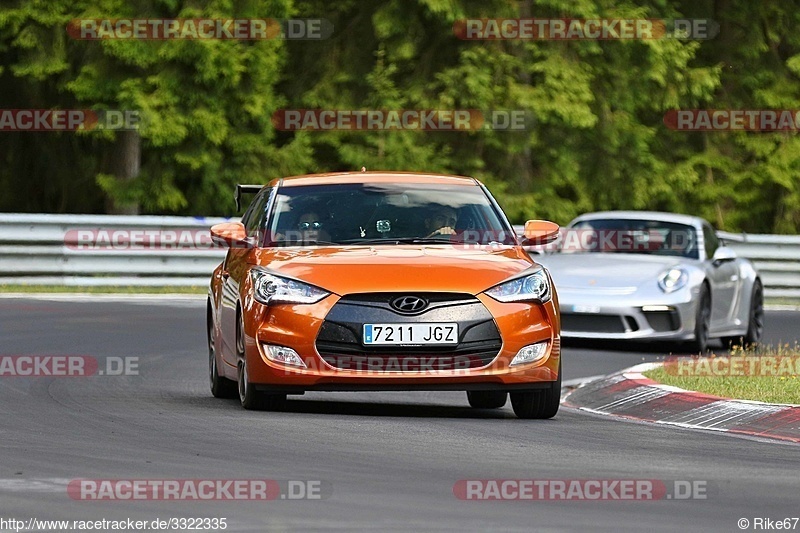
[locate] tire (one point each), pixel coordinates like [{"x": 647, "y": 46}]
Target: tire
[
  {"x": 249, "y": 397},
  {"x": 702, "y": 321},
  {"x": 221, "y": 387},
  {"x": 487, "y": 399},
  {"x": 755, "y": 322},
  {"x": 755, "y": 328},
  {"x": 538, "y": 404}
]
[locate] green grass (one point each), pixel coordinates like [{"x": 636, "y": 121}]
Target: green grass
[
  {"x": 782, "y": 301},
  {"x": 783, "y": 388},
  {"x": 102, "y": 290}
]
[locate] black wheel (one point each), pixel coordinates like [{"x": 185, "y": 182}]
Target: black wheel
[
  {"x": 538, "y": 403},
  {"x": 755, "y": 329},
  {"x": 755, "y": 322},
  {"x": 702, "y": 321},
  {"x": 487, "y": 399},
  {"x": 249, "y": 397},
  {"x": 221, "y": 387}
]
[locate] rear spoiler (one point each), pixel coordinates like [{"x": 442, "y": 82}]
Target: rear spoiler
[{"x": 245, "y": 189}]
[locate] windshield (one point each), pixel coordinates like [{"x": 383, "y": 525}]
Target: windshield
[
  {"x": 385, "y": 214},
  {"x": 653, "y": 237}
]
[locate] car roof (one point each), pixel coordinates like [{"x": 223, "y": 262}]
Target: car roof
[
  {"x": 333, "y": 178},
  {"x": 642, "y": 215}
]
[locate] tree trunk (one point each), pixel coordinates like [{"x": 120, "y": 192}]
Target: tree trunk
[{"x": 123, "y": 159}]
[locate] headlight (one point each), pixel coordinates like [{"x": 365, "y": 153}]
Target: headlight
[
  {"x": 673, "y": 279},
  {"x": 535, "y": 287},
  {"x": 268, "y": 288}
]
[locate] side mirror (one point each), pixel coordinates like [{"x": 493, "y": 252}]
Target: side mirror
[
  {"x": 540, "y": 232},
  {"x": 230, "y": 235},
  {"x": 723, "y": 254}
]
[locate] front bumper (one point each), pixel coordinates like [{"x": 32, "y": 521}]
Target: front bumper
[
  {"x": 593, "y": 316},
  {"x": 298, "y": 327}
]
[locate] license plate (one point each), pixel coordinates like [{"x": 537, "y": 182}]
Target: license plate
[{"x": 431, "y": 333}]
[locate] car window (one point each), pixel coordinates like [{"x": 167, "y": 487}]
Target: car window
[
  {"x": 711, "y": 240},
  {"x": 254, "y": 218},
  {"x": 248, "y": 213}
]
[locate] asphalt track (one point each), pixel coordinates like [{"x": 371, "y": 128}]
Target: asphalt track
[{"x": 387, "y": 461}]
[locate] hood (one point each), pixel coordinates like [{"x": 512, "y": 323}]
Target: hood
[
  {"x": 586, "y": 271},
  {"x": 345, "y": 270}
]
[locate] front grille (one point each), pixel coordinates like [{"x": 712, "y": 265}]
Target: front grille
[
  {"x": 592, "y": 323},
  {"x": 339, "y": 339}
]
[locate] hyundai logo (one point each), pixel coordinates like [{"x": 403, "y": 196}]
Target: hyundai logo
[{"x": 408, "y": 304}]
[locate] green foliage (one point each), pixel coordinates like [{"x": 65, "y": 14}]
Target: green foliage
[{"x": 596, "y": 137}]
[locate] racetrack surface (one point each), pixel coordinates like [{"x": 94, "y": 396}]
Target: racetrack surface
[{"x": 390, "y": 460}]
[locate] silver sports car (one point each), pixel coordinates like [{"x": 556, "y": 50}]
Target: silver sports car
[{"x": 653, "y": 276}]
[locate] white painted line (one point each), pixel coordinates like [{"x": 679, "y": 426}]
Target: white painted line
[
  {"x": 33, "y": 484},
  {"x": 641, "y": 368},
  {"x": 577, "y": 382},
  {"x": 782, "y": 307},
  {"x": 88, "y": 297},
  {"x": 641, "y": 395},
  {"x": 689, "y": 426}
]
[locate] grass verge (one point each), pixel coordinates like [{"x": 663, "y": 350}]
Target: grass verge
[{"x": 765, "y": 374}]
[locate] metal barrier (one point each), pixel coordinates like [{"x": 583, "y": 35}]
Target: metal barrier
[
  {"x": 777, "y": 258},
  {"x": 104, "y": 250}
]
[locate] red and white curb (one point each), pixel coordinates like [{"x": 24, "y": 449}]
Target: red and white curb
[{"x": 629, "y": 394}]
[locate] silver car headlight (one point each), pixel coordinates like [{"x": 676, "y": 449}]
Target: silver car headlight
[
  {"x": 673, "y": 279},
  {"x": 269, "y": 288},
  {"x": 533, "y": 287}
]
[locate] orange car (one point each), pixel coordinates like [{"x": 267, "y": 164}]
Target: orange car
[{"x": 382, "y": 281}]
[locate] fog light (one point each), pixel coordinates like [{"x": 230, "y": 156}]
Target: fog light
[
  {"x": 283, "y": 355},
  {"x": 530, "y": 353}
]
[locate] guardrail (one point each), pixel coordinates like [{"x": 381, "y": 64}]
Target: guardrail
[
  {"x": 71, "y": 250},
  {"x": 777, "y": 258},
  {"x": 176, "y": 251}
]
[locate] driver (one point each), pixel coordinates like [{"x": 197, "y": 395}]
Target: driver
[
  {"x": 311, "y": 228},
  {"x": 442, "y": 221}
]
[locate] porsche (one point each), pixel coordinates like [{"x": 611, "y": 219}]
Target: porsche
[{"x": 654, "y": 276}]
